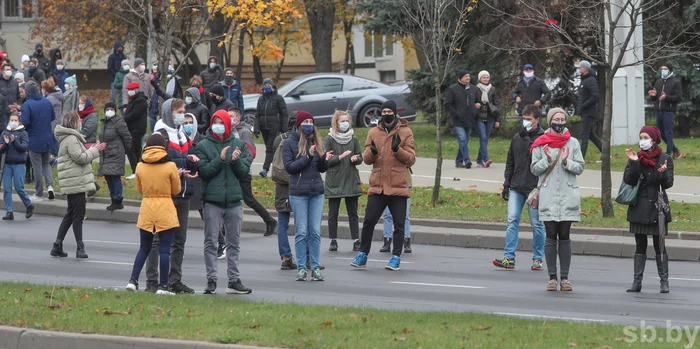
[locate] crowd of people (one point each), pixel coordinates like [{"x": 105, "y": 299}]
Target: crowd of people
[{"x": 200, "y": 148}]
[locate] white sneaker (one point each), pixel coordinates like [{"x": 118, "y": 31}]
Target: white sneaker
[
  {"x": 131, "y": 287},
  {"x": 52, "y": 195},
  {"x": 162, "y": 291},
  {"x": 132, "y": 177},
  {"x": 35, "y": 198}
]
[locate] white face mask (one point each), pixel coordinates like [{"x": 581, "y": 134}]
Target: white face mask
[
  {"x": 126, "y": 67},
  {"x": 14, "y": 124},
  {"x": 527, "y": 124},
  {"x": 344, "y": 126},
  {"x": 212, "y": 65},
  {"x": 8, "y": 73},
  {"x": 529, "y": 74},
  {"x": 109, "y": 113},
  {"x": 645, "y": 144},
  {"x": 188, "y": 100},
  {"x": 179, "y": 118},
  {"x": 170, "y": 67},
  {"x": 59, "y": 67},
  {"x": 131, "y": 92},
  {"x": 142, "y": 68},
  {"x": 81, "y": 107},
  {"x": 67, "y": 86}
]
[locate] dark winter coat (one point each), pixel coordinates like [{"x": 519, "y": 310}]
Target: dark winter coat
[
  {"x": 199, "y": 110},
  {"x": 144, "y": 81},
  {"x": 114, "y": 63},
  {"x": 35, "y": 74},
  {"x": 233, "y": 93},
  {"x": 44, "y": 64},
  {"x": 645, "y": 212},
  {"x": 54, "y": 55},
  {"x": 304, "y": 171},
  {"x": 136, "y": 115},
  {"x": 225, "y": 104},
  {"x": 459, "y": 103},
  {"x": 89, "y": 123},
  {"x": 271, "y": 113},
  {"x": 282, "y": 190},
  {"x": 9, "y": 94},
  {"x": 37, "y": 116},
  {"x": 116, "y": 134},
  {"x": 210, "y": 77},
  {"x": 196, "y": 198},
  {"x": 489, "y": 111},
  {"x": 537, "y": 90},
  {"x": 672, "y": 87},
  {"x": 15, "y": 152},
  {"x": 342, "y": 177},
  {"x": 56, "y": 99},
  {"x": 588, "y": 96},
  {"x": 118, "y": 84},
  {"x": 517, "y": 174},
  {"x": 220, "y": 179},
  {"x": 59, "y": 77}
]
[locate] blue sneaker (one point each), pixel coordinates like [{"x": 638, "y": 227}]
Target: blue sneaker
[
  {"x": 394, "y": 263},
  {"x": 360, "y": 261},
  {"x": 263, "y": 173}
]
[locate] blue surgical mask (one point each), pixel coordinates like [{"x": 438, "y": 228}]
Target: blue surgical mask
[
  {"x": 664, "y": 73},
  {"x": 267, "y": 89},
  {"x": 189, "y": 100},
  {"x": 188, "y": 128},
  {"x": 307, "y": 129},
  {"x": 218, "y": 129}
]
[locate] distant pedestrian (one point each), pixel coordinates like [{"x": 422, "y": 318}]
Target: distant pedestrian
[
  {"x": 587, "y": 106},
  {"x": 55, "y": 55},
  {"x": 37, "y": 116},
  {"x": 42, "y": 62},
  {"x": 114, "y": 66},
  {"x": 71, "y": 96},
  {"x": 232, "y": 89},
  {"x": 519, "y": 182},
  {"x": 35, "y": 73},
  {"x": 115, "y": 133},
  {"x": 136, "y": 117},
  {"x": 559, "y": 201},
  {"x": 666, "y": 94},
  {"x": 9, "y": 94},
  {"x": 219, "y": 101},
  {"x": 530, "y": 90},
  {"x": 460, "y": 103},
  {"x": 75, "y": 178},
  {"x": 270, "y": 117},
  {"x": 118, "y": 85},
  {"x": 14, "y": 144},
  {"x": 488, "y": 116},
  {"x": 60, "y": 74},
  {"x": 653, "y": 170},
  {"x": 212, "y": 74},
  {"x": 194, "y": 105},
  {"x": 284, "y": 209},
  {"x": 138, "y": 75},
  {"x": 156, "y": 179}
]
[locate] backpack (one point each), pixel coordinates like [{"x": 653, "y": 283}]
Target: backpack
[{"x": 277, "y": 172}]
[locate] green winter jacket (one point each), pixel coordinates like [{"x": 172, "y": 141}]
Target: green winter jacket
[
  {"x": 342, "y": 177},
  {"x": 74, "y": 162},
  {"x": 118, "y": 85},
  {"x": 220, "y": 184}
]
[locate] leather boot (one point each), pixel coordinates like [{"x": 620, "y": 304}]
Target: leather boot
[
  {"x": 387, "y": 245},
  {"x": 407, "y": 246},
  {"x": 57, "y": 250},
  {"x": 118, "y": 205},
  {"x": 111, "y": 206},
  {"x": 80, "y": 252},
  {"x": 640, "y": 261},
  {"x": 662, "y": 266}
]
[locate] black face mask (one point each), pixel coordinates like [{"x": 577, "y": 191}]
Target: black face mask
[
  {"x": 38, "y": 52},
  {"x": 388, "y": 119},
  {"x": 558, "y": 128}
]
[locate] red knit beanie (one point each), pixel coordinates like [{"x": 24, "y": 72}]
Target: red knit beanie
[
  {"x": 653, "y": 132},
  {"x": 303, "y": 115}
]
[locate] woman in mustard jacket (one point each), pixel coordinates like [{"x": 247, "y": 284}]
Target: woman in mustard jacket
[{"x": 157, "y": 179}]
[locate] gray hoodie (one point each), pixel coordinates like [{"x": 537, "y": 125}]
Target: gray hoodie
[{"x": 198, "y": 109}]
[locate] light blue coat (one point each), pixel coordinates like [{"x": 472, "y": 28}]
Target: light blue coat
[{"x": 560, "y": 200}]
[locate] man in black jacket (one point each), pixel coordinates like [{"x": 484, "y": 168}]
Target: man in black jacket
[
  {"x": 270, "y": 120},
  {"x": 43, "y": 62},
  {"x": 667, "y": 94},
  {"x": 530, "y": 90},
  {"x": 587, "y": 107},
  {"x": 114, "y": 65},
  {"x": 460, "y": 102},
  {"x": 519, "y": 182}
]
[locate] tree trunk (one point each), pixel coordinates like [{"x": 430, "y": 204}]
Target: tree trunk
[
  {"x": 321, "y": 16},
  {"x": 420, "y": 53},
  {"x": 216, "y": 28},
  {"x": 438, "y": 138},
  {"x": 606, "y": 175},
  {"x": 352, "y": 62},
  {"x": 347, "y": 30},
  {"x": 257, "y": 69},
  {"x": 241, "y": 52},
  {"x": 280, "y": 64}
]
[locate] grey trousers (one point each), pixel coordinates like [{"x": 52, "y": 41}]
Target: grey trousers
[
  {"x": 41, "y": 168},
  {"x": 232, "y": 219},
  {"x": 177, "y": 251}
]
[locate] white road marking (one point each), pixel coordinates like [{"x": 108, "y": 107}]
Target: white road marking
[
  {"x": 681, "y": 279},
  {"x": 436, "y": 285},
  {"x": 113, "y": 242},
  {"x": 550, "y": 317},
  {"x": 107, "y": 262},
  {"x": 370, "y": 260}
]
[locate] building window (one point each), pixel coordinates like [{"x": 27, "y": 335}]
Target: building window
[
  {"x": 378, "y": 45},
  {"x": 19, "y": 8},
  {"x": 389, "y": 43},
  {"x": 368, "y": 45},
  {"x": 387, "y": 76},
  {"x": 12, "y": 8}
]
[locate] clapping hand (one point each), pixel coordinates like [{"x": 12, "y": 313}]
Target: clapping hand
[
  {"x": 101, "y": 146},
  {"x": 236, "y": 154},
  {"x": 312, "y": 150},
  {"x": 188, "y": 174},
  {"x": 7, "y": 140},
  {"x": 663, "y": 96},
  {"x": 663, "y": 167},
  {"x": 565, "y": 153},
  {"x": 329, "y": 155},
  {"x": 192, "y": 158},
  {"x": 395, "y": 142},
  {"x": 345, "y": 154},
  {"x": 373, "y": 148},
  {"x": 548, "y": 152},
  {"x": 354, "y": 158},
  {"x": 632, "y": 155},
  {"x": 223, "y": 152}
]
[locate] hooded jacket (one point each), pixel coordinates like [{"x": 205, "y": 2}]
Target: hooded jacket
[
  {"x": 136, "y": 115},
  {"x": 459, "y": 103},
  {"x": 157, "y": 180},
  {"x": 114, "y": 63},
  {"x": 15, "y": 151},
  {"x": 144, "y": 81},
  {"x": 179, "y": 146},
  {"x": 74, "y": 162},
  {"x": 71, "y": 100},
  {"x": 37, "y": 116},
  {"x": 588, "y": 95},
  {"x": 44, "y": 64},
  {"x": 198, "y": 109},
  {"x": 517, "y": 174},
  {"x": 271, "y": 113},
  {"x": 36, "y": 74},
  {"x": 116, "y": 134},
  {"x": 389, "y": 175},
  {"x": 233, "y": 93},
  {"x": 210, "y": 77},
  {"x": 60, "y": 76},
  {"x": 224, "y": 105},
  {"x": 673, "y": 89},
  {"x": 56, "y": 99},
  {"x": 536, "y": 90},
  {"x": 53, "y": 56},
  {"x": 9, "y": 94},
  {"x": 304, "y": 171},
  {"x": 88, "y": 118},
  {"x": 243, "y": 133},
  {"x": 220, "y": 178}
]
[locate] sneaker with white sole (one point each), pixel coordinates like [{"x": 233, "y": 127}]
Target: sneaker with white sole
[
  {"x": 131, "y": 177},
  {"x": 163, "y": 290},
  {"x": 35, "y": 198},
  {"x": 552, "y": 285},
  {"x": 133, "y": 285},
  {"x": 52, "y": 195}
]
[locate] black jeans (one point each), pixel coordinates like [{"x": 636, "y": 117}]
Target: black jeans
[
  {"x": 269, "y": 138},
  {"x": 351, "y": 207},
  {"x": 665, "y": 122},
  {"x": 250, "y": 200},
  {"x": 375, "y": 209},
  {"x": 74, "y": 217},
  {"x": 134, "y": 154},
  {"x": 642, "y": 242},
  {"x": 587, "y": 133},
  {"x": 177, "y": 251}
]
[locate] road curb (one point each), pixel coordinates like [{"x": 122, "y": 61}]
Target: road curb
[{"x": 24, "y": 338}]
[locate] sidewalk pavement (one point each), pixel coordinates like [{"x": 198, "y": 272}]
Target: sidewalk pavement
[
  {"x": 23, "y": 338},
  {"x": 683, "y": 246}
]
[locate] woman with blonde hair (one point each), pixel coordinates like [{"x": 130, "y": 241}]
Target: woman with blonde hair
[{"x": 343, "y": 177}]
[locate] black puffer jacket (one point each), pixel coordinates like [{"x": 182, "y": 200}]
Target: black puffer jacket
[
  {"x": 672, "y": 87},
  {"x": 517, "y": 174},
  {"x": 116, "y": 134},
  {"x": 588, "y": 95},
  {"x": 211, "y": 77},
  {"x": 271, "y": 113},
  {"x": 199, "y": 110},
  {"x": 136, "y": 115},
  {"x": 9, "y": 94},
  {"x": 459, "y": 103},
  {"x": 537, "y": 90},
  {"x": 304, "y": 171},
  {"x": 645, "y": 211}
]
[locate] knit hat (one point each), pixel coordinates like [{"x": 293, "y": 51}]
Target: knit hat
[
  {"x": 156, "y": 140},
  {"x": 217, "y": 90},
  {"x": 653, "y": 132},
  {"x": 110, "y": 105},
  {"x": 268, "y": 81},
  {"x": 528, "y": 66},
  {"x": 39, "y": 46},
  {"x": 551, "y": 112},
  {"x": 19, "y": 75},
  {"x": 461, "y": 73},
  {"x": 25, "y": 58},
  {"x": 483, "y": 73},
  {"x": 138, "y": 62},
  {"x": 125, "y": 62},
  {"x": 31, "y": 87},
  {"x": 303, "y": 115},
  {"x": 584, "y": 64},
  {"x": 669, "y": 66},
  {"x": 133, "y": 86},
  {"x": 229, "y": 69},
  {"x": 390, "y": 105},
  {"x": 71, "y": 80}
]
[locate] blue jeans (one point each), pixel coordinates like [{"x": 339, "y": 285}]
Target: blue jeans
[
  {"x": 664, "y": 122},
  {"x": 14, "y": 173},
  {"x": 389, "y": 222},
  {"x": 308, "y": 212},
  {"x": 166, "y": 240},
  {"x": 114, "y": 183},
  {"x": 282, "y": 238},
  {"x": 463, "y": 140},
  {"x": 484, "y": 129},
  {"x": 516, "y": 201}
]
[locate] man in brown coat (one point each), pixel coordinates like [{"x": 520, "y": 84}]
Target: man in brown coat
[{"x": 390, "y": 150}]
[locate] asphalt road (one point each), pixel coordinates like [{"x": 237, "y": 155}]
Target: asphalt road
[{"x": 432, "y": 278}]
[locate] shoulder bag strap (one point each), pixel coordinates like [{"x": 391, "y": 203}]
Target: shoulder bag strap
[{"x": 551, "y": 168}]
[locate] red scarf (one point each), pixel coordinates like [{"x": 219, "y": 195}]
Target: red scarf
[
  {"x": 201, "y": 90},
  {"x": 648, "y": 157},
  {"x": 551, "y": 139},
  {"x": 85, "y": 112}
]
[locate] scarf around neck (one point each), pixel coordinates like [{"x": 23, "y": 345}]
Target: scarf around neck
[
  {"x": 551, "y": 139},
  {"x": 342, "y": 138},
  {"x": 648, "y": 157},
  {"x": 484, "y": 92}
]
